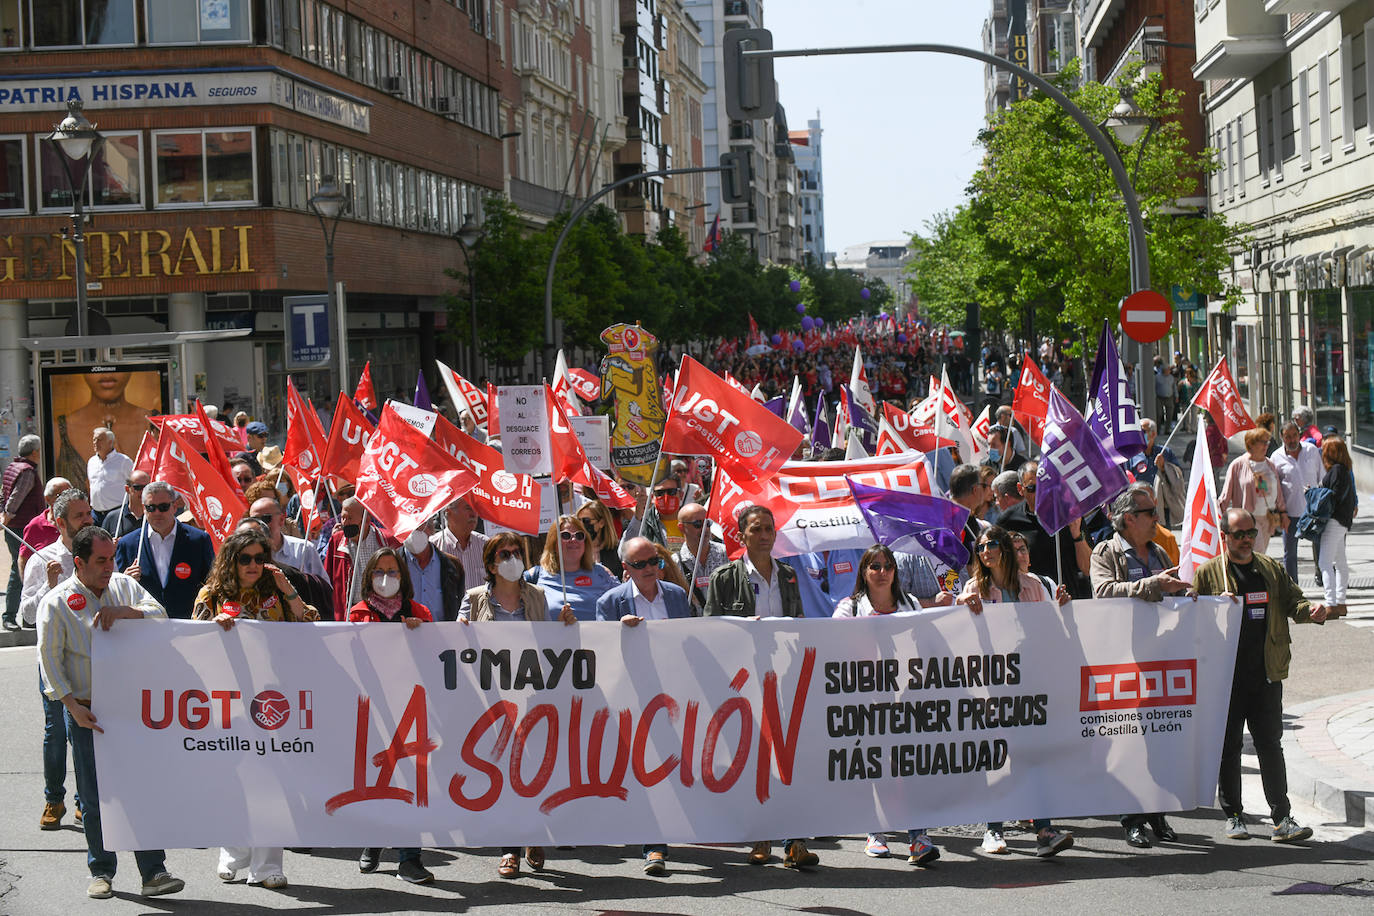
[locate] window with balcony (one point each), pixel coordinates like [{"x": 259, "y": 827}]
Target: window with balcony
[{"x": 115, "y": 180}]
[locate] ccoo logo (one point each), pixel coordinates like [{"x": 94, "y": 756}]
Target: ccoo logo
[{"x": 270, "y": 710}]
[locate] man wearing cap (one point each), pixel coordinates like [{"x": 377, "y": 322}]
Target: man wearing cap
[
  {"x": 169, "y": 558},
  {"x": 257, "y": 440}
]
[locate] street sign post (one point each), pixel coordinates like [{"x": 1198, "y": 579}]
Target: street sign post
[
  {"x": 306, "y": 320},
  {"x": 1146, "y": 316}
]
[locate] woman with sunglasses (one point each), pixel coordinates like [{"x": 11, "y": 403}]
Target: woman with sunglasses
[
  {"x": 568, "y": 556},
  {"x": 387, "y": 595},
  {"x": 877, "y": 594},
  {"x": 244, "y": 584},
  {"x": 596, "y": 518},
  {"x": 997, "y": 580},
  {"x": 1022, "y": 549}
]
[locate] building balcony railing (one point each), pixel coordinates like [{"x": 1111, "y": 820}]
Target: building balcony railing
[
  {"x": 1151, "y": 55},
  {"x": 531, "y": 198},
  {"x": 736, "y": 7}
]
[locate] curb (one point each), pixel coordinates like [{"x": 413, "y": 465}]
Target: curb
[
  {"x": 10, "y": 638},
  {"x": 1321, "y": 770}
]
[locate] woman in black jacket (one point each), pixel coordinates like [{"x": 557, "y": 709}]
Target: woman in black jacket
[{"x": 1340, "y": 480}]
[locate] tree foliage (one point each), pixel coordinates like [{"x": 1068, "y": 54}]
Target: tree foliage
[{"x": 1043, "y": 231}]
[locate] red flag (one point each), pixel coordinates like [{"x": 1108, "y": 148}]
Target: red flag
[
  {"x": 404, "y": 477},
  {"x": 709, "y": 417},
  {"x": 493, "y": 411},
  {"x": 348, "y": 435},
  {"x": 366, "y": 396},
  {"x": 570, "y": 459},
  {"x": 911, "y": 434},
  {"x": 499, "y": 496},
  {"x": 218, "y": 460},
  {"x": 754, "y": 335},
  {"x": 464, "y": 394},
  {"x": 1031, "y": 402},
  {"x": 1201, "y": 516},
  {"x": 1219, "y": 398},
  {"x": 215, "y": 504},
  {"x": 189, "y": 426},
  {"x": 304, "y": 436},
  {"x": 146, "y": 460},
  {"x": 587, "y": 385}
]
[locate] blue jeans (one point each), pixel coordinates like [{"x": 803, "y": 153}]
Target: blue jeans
[
  {"x": 16, "y": 583},
  {"x": 54, "y": 749},
  {"x": 1290, "y": 547},
  {"x": 99, "y": 860},
  {"x": 408, "y": 854}
]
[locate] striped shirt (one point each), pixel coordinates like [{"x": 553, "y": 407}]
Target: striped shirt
[{"x": 66, "y": 618}]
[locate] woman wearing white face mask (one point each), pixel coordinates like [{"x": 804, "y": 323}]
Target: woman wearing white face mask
[
  {"x": 507, "y": 596},
  {"x": 387, "y": 595}
]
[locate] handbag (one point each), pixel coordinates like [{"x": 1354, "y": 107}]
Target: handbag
[{"x": 1316, "y": 513}]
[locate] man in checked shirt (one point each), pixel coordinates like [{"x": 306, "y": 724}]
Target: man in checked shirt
[{"x": 94, "y": 596}]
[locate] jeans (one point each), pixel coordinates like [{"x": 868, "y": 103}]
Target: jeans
[
  {"x": 1259, "y": 705},
  {"x": 54, "y": 749},
  {"x": 1335, "y": 571},
  {"x": 16, "y": 583},
  {"x": 1290, "y": 547},
  {"x": 100, "y": 861}
]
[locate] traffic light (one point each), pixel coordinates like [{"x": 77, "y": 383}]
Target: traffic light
[
  {"x": 750, "y": 90},
  {"x": 736, "y": 181}
]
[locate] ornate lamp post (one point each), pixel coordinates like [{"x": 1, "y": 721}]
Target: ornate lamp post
[
  {"x": 77, "y": 142},
  {"x": 469, "y": 236},
  {"x": 328, "y": 204}
]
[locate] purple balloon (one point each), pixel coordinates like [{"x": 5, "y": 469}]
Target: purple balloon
[
  {"x": 820, "y": 322},
  {"x": 901, "y": 338},
  {"x": 777, "y": 340},
  {"x": 882, "y": 316},
  {"x": 795, "y": 286},
  {"x": 798, "y": 346},
  {"x": 808, "y": 322},
  {"x": 864, "y": 293},
  {"x": 801, "y": 308}
]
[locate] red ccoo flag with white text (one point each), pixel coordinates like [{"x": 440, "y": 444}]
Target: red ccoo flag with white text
[
  {"x": 216, "y": 504},
  {"x": 404, "y": 476},
  {"x": 1201, "y": 517},
  {"x": 709, "y": 417},
  {"x": 1218, "y": 396},
  {"x": 858, "y": 385},
  {"x": 464, "y": 395}
]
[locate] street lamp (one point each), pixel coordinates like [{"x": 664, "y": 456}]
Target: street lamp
[
  {"x": 468, "y": 236},
  {"x": 328, "y": 203},
  {"x": 77, "y": 141}
]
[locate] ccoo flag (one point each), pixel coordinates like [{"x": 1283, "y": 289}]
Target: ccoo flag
[
  {"x": 914, "y": 522},
  {"x": 1114, "y": 417},
  {"x": 1201, "y": 517},
  {"x": 1075, "y": 475}
]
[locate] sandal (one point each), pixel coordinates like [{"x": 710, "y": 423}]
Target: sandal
[
  {"x": 509, "y": 867},
  {"x": 534, "y": 857}
]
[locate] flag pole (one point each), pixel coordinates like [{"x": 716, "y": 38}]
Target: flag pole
[
  {"x": 20, "y": 538},
  {"x": 1178, "y": 420},
  {"x": 357, "y": 567}
]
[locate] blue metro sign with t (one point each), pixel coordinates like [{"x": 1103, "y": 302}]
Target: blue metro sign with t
[{"x": 307, "y": 331}]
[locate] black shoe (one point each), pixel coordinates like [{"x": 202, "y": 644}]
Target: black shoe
[
  {"x": 412, "y": 872},
  {"x": 11, "y": 625},
  {"x": 28, "y": 626},
  {"x": 367, "y": 862},
  {"x": 1137, "y": 838},
  {"x": 1163, "y": 832}
]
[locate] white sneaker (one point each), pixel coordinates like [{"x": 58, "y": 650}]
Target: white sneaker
[
  {"x": 227, "y": 874},
  {"x": 274, "y": 882},
  {"x": 993, "y": 844}
]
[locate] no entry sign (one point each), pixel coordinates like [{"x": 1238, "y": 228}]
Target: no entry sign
[{"x": 1146, "y": 316}]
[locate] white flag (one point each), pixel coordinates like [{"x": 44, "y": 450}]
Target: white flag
[
  {"x": 858, "y": 386},
  {"x": 855, "y": 449},
  {"x": 1201, "y": 517},
  {"x": 950, "y": 422}
]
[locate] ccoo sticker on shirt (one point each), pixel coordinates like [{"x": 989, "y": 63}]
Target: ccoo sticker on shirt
[
  {"x": 582, "y": 581},
  {"x": 701, "y": 581},
  {"x": 76, "y": 601},
  {"x": 844, "y": 567}
]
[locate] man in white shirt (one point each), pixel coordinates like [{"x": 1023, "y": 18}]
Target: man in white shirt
[
  {"x": 460, "y": 539},
  {"x": 107, "y": 471},
  {"x": 93, "y": 598},
  {"x": 1299, "y": 463}
]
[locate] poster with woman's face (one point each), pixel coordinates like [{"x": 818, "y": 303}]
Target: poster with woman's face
[{"x": 118, "y": 398}]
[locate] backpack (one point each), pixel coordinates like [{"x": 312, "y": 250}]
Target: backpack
[{"x": 1320, "y": 502}]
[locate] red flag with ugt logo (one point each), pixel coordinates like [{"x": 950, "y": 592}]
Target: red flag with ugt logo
[
  {"x": 1218, "y": 396},
  {"x": 708, "y": 416},
  {"x": 146, "y": 460},
  {"x": 305, "y": 437},
  {"x": 499, "y": 496},
  {"x": 189, "y": 425},
  {"x": 1031, "y": 403},
  {"x": 570, "y": 459},
  {"x": 404, "y": 476},
  {"x": 216, "y": 504},
  {"x": 365, "y": 395},
  {"x": 218, "y": 460},
  {"x": 348, "y": 435}
]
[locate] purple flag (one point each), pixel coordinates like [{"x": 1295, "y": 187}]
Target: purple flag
[
  {"x": 796, "y": 415},
  {"x": 820, "y": 432},
  {"x": 421, "y": 399},
  {"x": 777, "y": 405},
  {"x": 860, "y": 419},
  {"x": 1076, "y": 475},
  {"x": 914, "y": 522},
  {"x": 1114, "y": 417}
]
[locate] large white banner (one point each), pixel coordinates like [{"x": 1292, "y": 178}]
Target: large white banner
[{"x": 713, "y": 729}]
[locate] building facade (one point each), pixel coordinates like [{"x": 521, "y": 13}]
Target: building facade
[
  {"x": 806, "y": 150},
  {"x": 1287, "y": 86},
  {"x": 886, "y": 261}
]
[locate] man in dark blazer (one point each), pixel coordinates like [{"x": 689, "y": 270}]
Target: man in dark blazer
[
  {"x": 170, "y": 559},
  {"x": 644, "y": 596}
]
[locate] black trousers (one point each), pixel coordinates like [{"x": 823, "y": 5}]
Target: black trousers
[{"x": 1258, "y": 705}]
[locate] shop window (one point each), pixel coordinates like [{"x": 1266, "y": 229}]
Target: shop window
[
  {"x": 81, "y": 23},
  {"x": 1362, "y": 352},
  {"x": 14, "y": 183},
  {"x": 205, "y": 167},
  {"x": 115, "y": 179},
  {"x": 1328, "y": 359},
  {"x": 198, "y": 21}
]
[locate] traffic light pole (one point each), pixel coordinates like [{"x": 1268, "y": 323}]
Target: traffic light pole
[
  {"x": 586, "y": 205},
  {"x": 1139, "y": 254}
]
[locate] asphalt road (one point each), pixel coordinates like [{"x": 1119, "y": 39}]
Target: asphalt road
[{"x": 45, "y": 873}]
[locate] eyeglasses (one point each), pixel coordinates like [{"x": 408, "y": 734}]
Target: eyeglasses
[
  {"x": 1243, "y": 534},
  {"x": 572, "y": 535},
  {"x": 1150, "y": 511},
  {"x": 135, "y": 487},
  {"x": 989, "y": 545},
  {"x": 158, "y": 507},
  {"x": 881, "y": 567},
  {"x": 696, "y": 523},
  {"x": 265, "y": 519},
  {"x": 248, "y": 559},
  {"x": 507, "y": 554},
  {"x": 1028, "y": 487},
  {"x": 640, "y": 564}
]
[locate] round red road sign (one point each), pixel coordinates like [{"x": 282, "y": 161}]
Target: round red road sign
[{"x": 1146, "y": 316}]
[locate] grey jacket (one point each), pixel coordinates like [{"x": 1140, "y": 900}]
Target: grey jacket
[
  {"x": 1111, "y": 575},
  {"x": 730, "y": 593}
]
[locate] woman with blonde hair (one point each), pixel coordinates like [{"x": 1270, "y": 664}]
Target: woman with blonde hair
[
  {"x": 1252, "y": 484},
  {"x": 596, "y": 518},
  {"x": 568, "y": 573},
  {"x": 671, "y": 571}
]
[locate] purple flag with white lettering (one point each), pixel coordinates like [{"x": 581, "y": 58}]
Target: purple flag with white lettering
[
  {"x": 1076, "y": 475},
  {"x": 1113, "y": 417},
  {"x": 820, "y": 432},
  {"x": 776, "y": 405},
  {"x": 861, "y": 420},
  {"x": 913, "y": 522}
]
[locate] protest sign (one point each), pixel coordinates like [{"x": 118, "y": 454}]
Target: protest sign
[{"x": 524, "y": 430}]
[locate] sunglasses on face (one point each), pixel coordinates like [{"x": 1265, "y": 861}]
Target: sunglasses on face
[
  {"x": 135, "y": 487},
  {"x": 671, "y": 491},
  {"x": 881, "y": 567},
  {"x": 640, "y": 564},
  {"x": 158, "y": 507},
  {"x": 264, "y": 519},
  {"x": 572, "y": 535},
  {"x": 1029, "y": 488},
  {"x": 696, "y": 523},
  {"x": 988, "y": 545},
  {"x": 507, "y": 554},
  {"x": 1149, "y": 511},
  {"x": 1244, "y": 534},
  {"x": 248, "y": 559}
]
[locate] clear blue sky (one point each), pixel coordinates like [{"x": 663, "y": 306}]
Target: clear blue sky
[{"x": 899, "y": 141}]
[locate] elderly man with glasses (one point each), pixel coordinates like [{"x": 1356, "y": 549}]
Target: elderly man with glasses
[
  {"x": 168, "y": 558},
  {"x": 1268, "y": 598}
]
